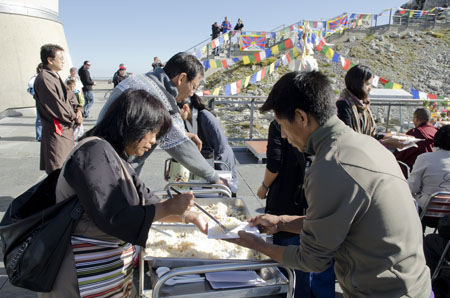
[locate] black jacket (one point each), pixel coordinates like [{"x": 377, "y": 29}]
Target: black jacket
[
  {"x": 239, "y": 26},
  {"x": 85, "y": 78},
  {"x": 215, "y": 31}
]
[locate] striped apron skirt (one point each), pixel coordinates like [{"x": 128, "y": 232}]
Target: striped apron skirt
[{"x": 104, "y": 269}]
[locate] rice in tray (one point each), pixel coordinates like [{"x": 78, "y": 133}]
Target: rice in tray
[{"x": 195, "y": 244}]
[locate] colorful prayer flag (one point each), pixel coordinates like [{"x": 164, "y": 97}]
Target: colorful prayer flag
[
  {"x": 275, "y": 50},
  {"x": 253, "y": 42},
  {"x": 330, "y": 53},
  {"x": 246, "y": 60},
  {"x": 335, "y": 57}
]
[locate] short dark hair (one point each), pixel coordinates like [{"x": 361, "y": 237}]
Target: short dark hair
[
  {"x": 442, "y": 137},
  {"x": 130, "y": 117},
  {"x": 195, "y": 101},
  {"x": 422, "y": 114},
  {"x": 184, "y": 62},
  {"x": 39, "y": 68},
  {"x": 49, "y": 51},
  {"x": 310, "y": 92},
  {"x": 86, "y": 62},
  {"x": 355, "y": 79},
  {"x": 70, "y": 82}
]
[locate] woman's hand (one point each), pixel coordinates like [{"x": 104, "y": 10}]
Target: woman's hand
[
  {"x": 198, "y": 219},
  {"x": 262, "y": 192},
  {"x": 176, "y": 206}
]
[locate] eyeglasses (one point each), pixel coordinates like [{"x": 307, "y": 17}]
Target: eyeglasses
[
  {"x": 194, "y": 87},
  {"x": 88, "y": 64}
]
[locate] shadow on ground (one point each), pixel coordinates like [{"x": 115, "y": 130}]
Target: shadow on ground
[{"x": 18, "y": 139}]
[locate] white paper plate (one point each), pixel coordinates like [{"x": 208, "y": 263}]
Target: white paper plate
[
  {"x": 216, "y": 233},
  {"x": 234, "y": 279}
]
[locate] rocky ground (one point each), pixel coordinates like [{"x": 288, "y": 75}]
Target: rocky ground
[{"x": 414, "y": 59}]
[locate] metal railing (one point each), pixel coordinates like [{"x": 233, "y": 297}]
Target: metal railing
[{"x": 388, "y": 104}]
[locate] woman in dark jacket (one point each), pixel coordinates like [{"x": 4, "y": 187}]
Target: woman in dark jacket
[
  {"x": 118, "y": 209},
  {"x": 199, "y": 120},
  {"x": 353, "y": 105}
]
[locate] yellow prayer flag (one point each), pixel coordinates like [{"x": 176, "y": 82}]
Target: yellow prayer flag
[
  {"x": 396, "y": 86},
  {"x": 272, "y": 67},
  {"x": 247, "y": 81},
  {"x": 225, "y": 37},
  {"x": 204, "y": 48},
  {"x": 275, "y": 50},
  {"x": 360, "y": 22},
  {"x": 330, "y": 53},
  {"x": 216, "y": 91},
  {"x": 295, "y": 51},
  {"x": 411, "y": 13},
  {"x": 213, "y": 63},
  {"x": 246, "y": 60}
]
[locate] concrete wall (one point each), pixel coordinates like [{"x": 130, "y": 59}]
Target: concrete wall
[{"x": 25, "y": 26}]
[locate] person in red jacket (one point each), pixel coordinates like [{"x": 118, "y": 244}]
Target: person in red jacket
[{"x": 423, "y": 129}]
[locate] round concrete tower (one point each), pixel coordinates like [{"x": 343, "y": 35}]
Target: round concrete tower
[{"x": 25, "y": 25}]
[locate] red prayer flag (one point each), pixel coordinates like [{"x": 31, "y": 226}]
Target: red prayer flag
[
  {"x": 263, "y": 73},
  {"x": 346, "y": 64},
  {"x": 402, "y": 11},
  {"x": 213, "y": 45},
  {"x": 288, "y": 43},
  {"x": 238, "y": 86},
  {"x": 224, "y": 63},
  {"x": 320, "y": 46},
  {"x": 257, "y": 57},
  {"x": 383, "y": 81},
  {"x": 288, "y": 57},
  {"x": 432, "y": 96},
  {"x": 206, "y": 92}
]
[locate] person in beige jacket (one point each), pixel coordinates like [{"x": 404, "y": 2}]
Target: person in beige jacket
[
  {"x": 361, "y": 212},
  {"x": 58, "y": 108}
]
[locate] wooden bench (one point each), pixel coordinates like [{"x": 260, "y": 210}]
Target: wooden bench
[{"x": 258, "y": 149}]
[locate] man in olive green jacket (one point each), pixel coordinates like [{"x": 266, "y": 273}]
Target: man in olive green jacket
[{"x": 361, "y": 212}]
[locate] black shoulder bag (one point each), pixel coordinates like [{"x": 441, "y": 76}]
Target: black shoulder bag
[{"x": 35, "y": 233}]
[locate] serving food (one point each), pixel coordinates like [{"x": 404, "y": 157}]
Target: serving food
[{"x": 188, "y": 242}]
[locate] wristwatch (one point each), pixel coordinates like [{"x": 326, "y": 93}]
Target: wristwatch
[{"x": 264, "y": 186}]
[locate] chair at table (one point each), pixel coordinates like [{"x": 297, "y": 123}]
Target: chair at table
[
  {"x": 437, "y": 206},
  {"x": 405, "y": 167}
]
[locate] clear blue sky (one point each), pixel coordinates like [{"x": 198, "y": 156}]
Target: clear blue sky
[{"x": 133, "y": 32}]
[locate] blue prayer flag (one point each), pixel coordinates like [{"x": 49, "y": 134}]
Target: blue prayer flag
[
  {"x": 415, "y": 94},
  {"x": 277, "y": 63},
  {"x": 228, "y": 90},
  {"x": 335, "y": 57},
  {"x": 253, "y": 78},
  {"x": 206, "y": 64},
  {"x": 313, "y": 38},
  {"x": 268, "y": 53}
]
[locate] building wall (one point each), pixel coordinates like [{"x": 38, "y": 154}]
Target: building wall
[{"x": 26, "y": 25}]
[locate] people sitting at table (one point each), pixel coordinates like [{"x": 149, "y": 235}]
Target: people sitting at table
[
  {"x": 200, "y": 121},
  {"x": 353, "y": 105},
  {"x": 424, "y": 130},
  {"x": 431, "y": 172}
]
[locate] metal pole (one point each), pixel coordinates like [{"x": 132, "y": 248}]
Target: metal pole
[
  {"x": 401, "y": 120},
  {"x": 390, "y": 15},
  {"x": 252, "y": 109},
  {"x": 388, "y": 116}
]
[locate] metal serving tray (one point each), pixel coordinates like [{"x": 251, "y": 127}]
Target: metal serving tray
[
  {"x": 276, "y": 282},
  {"x": 233, "y": 203}
]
